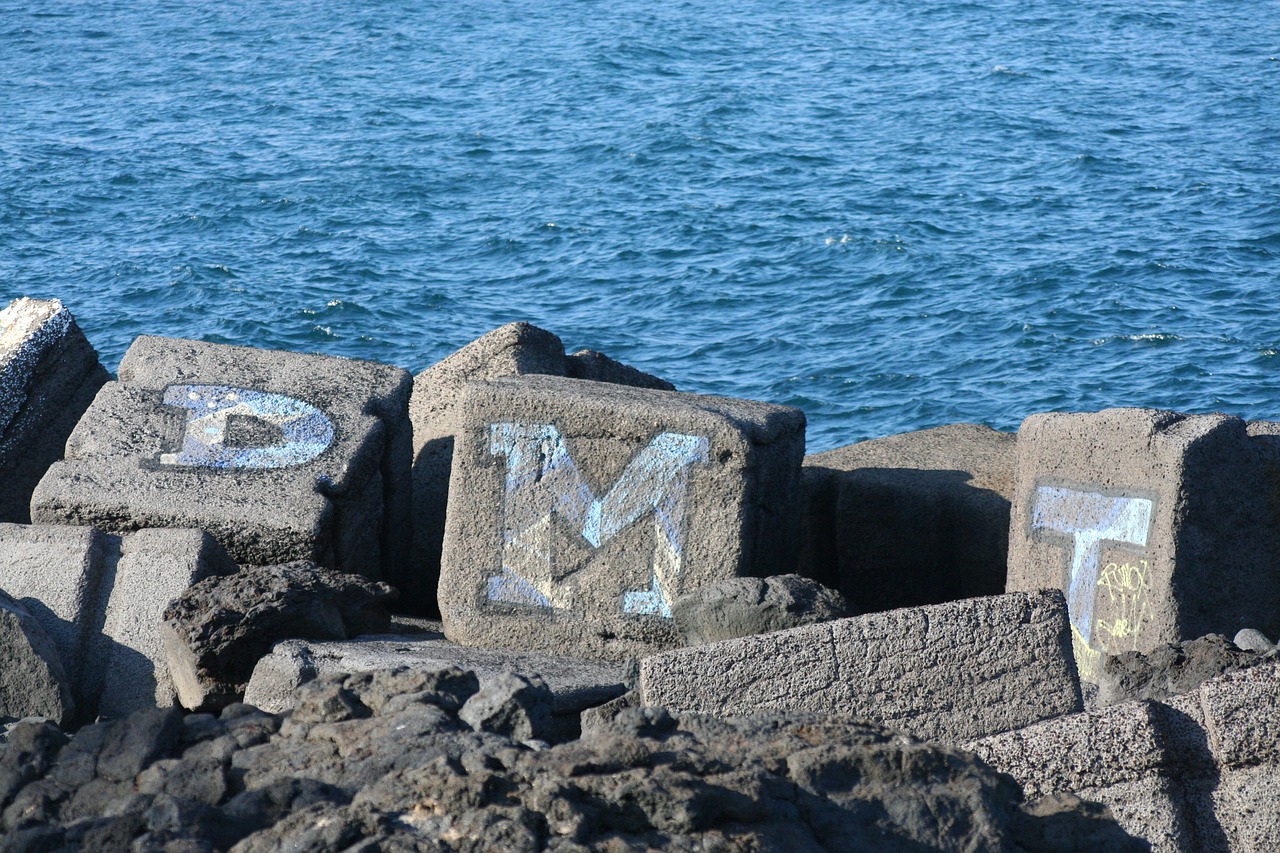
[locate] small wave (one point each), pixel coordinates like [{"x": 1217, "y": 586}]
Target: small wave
[{"x": 1145, "y": 338}]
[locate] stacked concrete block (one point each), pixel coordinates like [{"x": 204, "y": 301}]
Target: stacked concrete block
[
  {"x": 912, "y": 519},
  {"x": 1157, "y": 525},
  {"x": 948, "y": 672},
  {"x": 280, "y": 456},
  {"x": 49, "y": 375},
  {"x": 516, "y": 349},
  {"x": 579, "y": 510},
  {"x": 100, "y": 598}
]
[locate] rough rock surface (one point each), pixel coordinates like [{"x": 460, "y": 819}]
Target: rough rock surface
[
  {"x": 381, "y": 761},
  {"x": 217, "y": 630},
  {"x": 32, "y": 681},
  {"x": 1171, "y": 669},
  {"x": 740, "y": 607}
]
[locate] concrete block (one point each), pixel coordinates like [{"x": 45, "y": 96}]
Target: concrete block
[
  {"x": 579, "y": 510},
  {"x": 516, "y": 349},
  {"x": 32, "y": 681},
  {"x": 49, "y": 375},
  {"x": 1242, "y": 716},
  {"x": 1150, "y": 808},
  {"x": 949, "y": 672},
  {"x": 1246, "y": 815},
  {"x": 281, "y": 456},
  {"x": 575, "y": 684},
  {"x": 100, "y": 598},
  {"x": 1154, "y": 523},
  {"x": 911, "y": 519}
]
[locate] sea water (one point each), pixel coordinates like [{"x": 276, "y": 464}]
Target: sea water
[{"x": 891, "y": 214}]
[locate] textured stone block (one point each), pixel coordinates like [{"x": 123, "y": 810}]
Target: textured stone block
[
  {"x": 579, "y": 510},
  {"x": 32, "y": 680},
  {"x": 516, "y": 349},
  {"x": 1242, "y": 716},
  {"x": 1155, "y": 524},
  {"x": 280, "y": 456},
  {"x": 911, "y": 519},
  {"x": 101, "y": 597},
  {"x": 49, "y": 374},
  {"x": 949, "y": 672}
]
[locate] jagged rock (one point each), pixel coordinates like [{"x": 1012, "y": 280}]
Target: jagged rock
[
  {"x": 217, "y": 630},
  {"x": 598, "y": 367},
  {"x": 32, "y": 680},
  {"x": 1169, "y": 670},
  {"x": 740, "y": 607},
  {"x": 351, "y": 767},
  {"x": 510, "y": 705}
]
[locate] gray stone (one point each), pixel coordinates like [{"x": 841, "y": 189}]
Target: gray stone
[
  {"x": 950, "y": 672},
  {"x": 281, "y": 456},
  {"x": 575, "y": 684},
  {"x": 1153, "y": 523},
  {"x": 579, "y": 510},
  {"x": 32, "y": 682},
  {"x": 516, "y": 349},
  {"x": 740, "y": 607},
  {"x": 1170, "y": 669},
  {"x": 217, "y": 630},
  {"x": 510, "y": 705},
  {"x": 1242, "y": 716},
  {"x": 100, "y": 597},
  {"x": 911, "y": 519},
  {"x": 1253, "y": 640},
  {"x": 49, "y": 374}
]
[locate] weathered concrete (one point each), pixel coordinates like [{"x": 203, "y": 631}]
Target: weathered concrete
[
  {"x": 516, "y": 349},
  {"x": 579, "y": 510},
  {"x": 100, "y": 597},
  {"x": 948, "y": 672},
  {"x": 740, "y": 607},
  {"x": 911, "y": 519},
  {"x": 575, "y": 684},
  {"x": 49, "y": 375},
  {"x": 280, "y": 456},
  {"x": 32, "y": 681},
  {"x": 1155, "y": 524}
]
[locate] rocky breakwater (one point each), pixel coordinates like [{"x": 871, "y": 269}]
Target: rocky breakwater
[{"x": 661, "y": 626}]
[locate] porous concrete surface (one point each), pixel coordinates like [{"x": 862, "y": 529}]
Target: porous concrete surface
[
  {"x": 1154, "y": 523},
  {"x": 100, "y": 597},
  {"x": 579, "y": 510},
  {"x": 516, "y": 349},
  {"x": 32, "y": 681},
  {"x": 575, "y": 684},
  {"x": 947, "y": 672},
  {"x": 911, "y": 519},
  {"x": 337, "y": 492},
  {"x": 387, "y": 761},
  {"x": 49, "y": 374}
]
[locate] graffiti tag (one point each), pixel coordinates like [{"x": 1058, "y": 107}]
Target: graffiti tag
[{"x": 305, "y": 431}]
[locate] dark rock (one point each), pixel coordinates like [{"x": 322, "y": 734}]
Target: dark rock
[
  {"x": 740, "y": 607},
  {"x": 218, "y": 629},
  {"x": 598, "y": 367},
  {"x": 510, "y": 705},
  {"x": 32, "y": 680},
  {"x": 1169, "y": 670}
]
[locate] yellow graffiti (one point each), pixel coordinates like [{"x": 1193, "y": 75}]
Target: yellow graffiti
[
  {"x": 1127, "y": 592},
  {"x": 1088, "y": 659}
]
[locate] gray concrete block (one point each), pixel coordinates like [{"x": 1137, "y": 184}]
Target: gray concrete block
[
  {"x": 1242, "y": 716},
  {"x": 575, "y": 684},
  {"x": 1246, "y": 815},
  {"x": 579, "y": 510},
  {"x": 949, "y": 672},
  {"x": 281, "y": 456},
  {"x": 32, "y": 681},
  {"x": 911, "y": 519},
  {"x": 1150, "y": 808},
  {"x": 1152, "y": 522},
  {"x": 49, "y": 374},
  {"x": 100, "y": 597}
]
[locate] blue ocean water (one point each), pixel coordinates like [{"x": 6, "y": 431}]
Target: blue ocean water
[{"x": 891, "y": 214}]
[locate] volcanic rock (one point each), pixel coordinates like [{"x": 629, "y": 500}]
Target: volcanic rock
[{"x": 740, "y": 607}]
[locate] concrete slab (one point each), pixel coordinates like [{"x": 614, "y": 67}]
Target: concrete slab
[
  {"x": 49, "y": 374},
  {"x": 911, "y": 519},
  {"x": 1153, "y": 523},
  {"x": 579, "y": 510},
  {"x": 100, "y": 598},
  {"x": 281, "y": 456},
  {"x": 576, "y": 684},
  {"x": 948, "y": 672}
]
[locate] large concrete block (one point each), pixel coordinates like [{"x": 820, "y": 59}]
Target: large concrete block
[
  {"x": 1157, "y": 525},
  {"x": 100, "y": 598},
  {"x": 579, "y": 510},
  {"x": 911, "y": 519},
  {"x": 281, "y": 456},
  {"x": 49, "y": 374},
  {"x": 950, "y": 672},
  {"x": 516, "y": 349}
]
